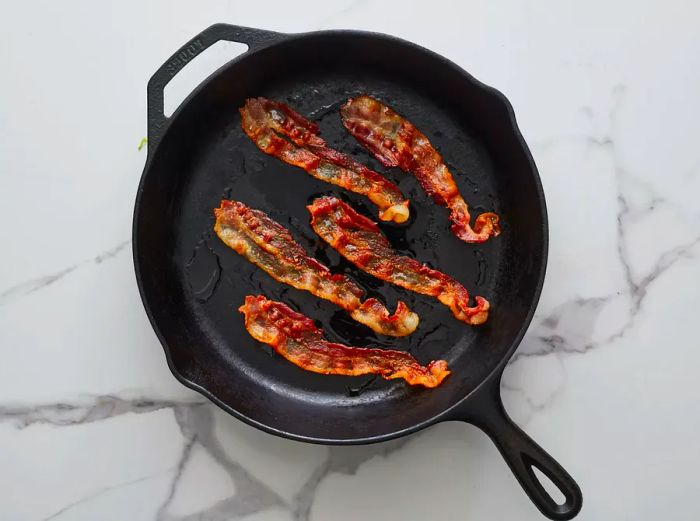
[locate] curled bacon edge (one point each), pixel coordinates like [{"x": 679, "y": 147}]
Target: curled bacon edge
[
  {"x": 295, "y": 337},
  {"x": 360, "y": 241},
  {"x": 396, "y": 142},
  {"x": 267, "y": 123},
  {"x": 255, "y": 236}
]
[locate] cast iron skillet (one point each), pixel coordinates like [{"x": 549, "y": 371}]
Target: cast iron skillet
[{"x": 191, "y": 284}]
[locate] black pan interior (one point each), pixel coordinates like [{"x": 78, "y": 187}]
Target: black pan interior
[{"x": 193, "y": 284}]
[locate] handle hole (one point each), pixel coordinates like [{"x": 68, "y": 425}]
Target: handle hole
[
  {"x": 548, "y": 485},
  {"x": 196, "y": 71}
]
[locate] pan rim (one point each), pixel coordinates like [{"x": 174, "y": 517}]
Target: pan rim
[{"x": 446, "y": 413}]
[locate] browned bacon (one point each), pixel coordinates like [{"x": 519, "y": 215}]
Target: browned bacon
[
  {"x": 295, "y": 337},
  {"x": 359, "y": 240},
  {"x": 396, "y": 142},
  {"x": 270, "y": 246},
  {"x": 283, "y": 133}
]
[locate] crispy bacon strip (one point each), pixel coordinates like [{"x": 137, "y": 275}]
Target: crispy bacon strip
[
  {"x": 270, "y": 246},
  {"x": 359, "y": 240},
  {"x": 394, "y": 141},
  {"x": 281, "y": 132},
  {"x": 296, "y": 338}
]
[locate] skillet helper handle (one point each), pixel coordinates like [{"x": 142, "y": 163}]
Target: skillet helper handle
[
  {"x": 523, "y": 455},
  {"x": 253, "y": 38}
]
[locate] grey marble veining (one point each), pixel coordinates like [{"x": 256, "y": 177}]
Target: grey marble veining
[{"x": 28, "y": 287}]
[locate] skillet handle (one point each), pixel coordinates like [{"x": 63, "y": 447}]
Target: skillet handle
[
  {"x": 253, "y": 38},
  {"x": 522, "y": 454}
]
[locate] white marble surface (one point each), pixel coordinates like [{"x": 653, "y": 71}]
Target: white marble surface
[{"x": 93, "y": 425}]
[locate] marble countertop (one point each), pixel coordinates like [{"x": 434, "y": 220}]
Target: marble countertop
[{"x": 94, "y": 426}]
